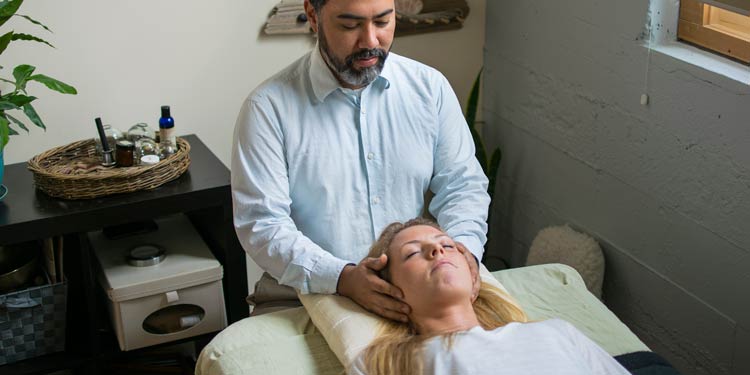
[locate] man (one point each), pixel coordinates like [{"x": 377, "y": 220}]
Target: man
[{"x": 343, "y": 142}]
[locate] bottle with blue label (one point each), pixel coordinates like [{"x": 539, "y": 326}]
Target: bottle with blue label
[{"x": 168, "y": 141}]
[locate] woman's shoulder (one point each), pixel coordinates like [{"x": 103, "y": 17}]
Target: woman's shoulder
[
  {"x": 562, "y": 326},
  {"x": 547, "y": 327},
  {"x": 555, "y": 323}
]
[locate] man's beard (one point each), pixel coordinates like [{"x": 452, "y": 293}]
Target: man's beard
[{"x": 345, "y": 70}]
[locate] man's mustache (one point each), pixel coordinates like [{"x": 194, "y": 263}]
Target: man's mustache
[{"x": 365, "y": 54}]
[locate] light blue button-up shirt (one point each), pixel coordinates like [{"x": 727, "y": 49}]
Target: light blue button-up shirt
[{"x": 319, "y": 171}]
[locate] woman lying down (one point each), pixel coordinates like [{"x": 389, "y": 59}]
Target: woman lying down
[{"x": 452, "y": 330}]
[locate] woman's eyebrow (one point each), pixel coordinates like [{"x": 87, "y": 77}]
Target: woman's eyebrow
[
  {"x": 408, "y": 243},
  {"x": 349, "y": 16},
  {"x": 417, "y": 241}
]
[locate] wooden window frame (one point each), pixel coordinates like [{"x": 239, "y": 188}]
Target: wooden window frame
[{"x": 696, "y": 26}]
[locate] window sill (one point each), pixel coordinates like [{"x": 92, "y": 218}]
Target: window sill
[
  {"x": 704, "y": 59},
  {"x": 662, "y": 31}
]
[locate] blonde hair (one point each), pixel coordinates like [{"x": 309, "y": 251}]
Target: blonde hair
[{"x": 398, "y": 348}]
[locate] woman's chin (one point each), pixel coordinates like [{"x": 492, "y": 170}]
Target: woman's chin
[
  {"x": 449, "y": 278},
  {"x": 450, "y": 289}
]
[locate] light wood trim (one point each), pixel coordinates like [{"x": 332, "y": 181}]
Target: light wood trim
[
  {"x": 736, "y": 6},
  {"x": 692, "y": 28},
  {"x": 728, "y": 22},
  {"x": 691, "y": 11}
]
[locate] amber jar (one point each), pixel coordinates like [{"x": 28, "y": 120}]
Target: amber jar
[{"x": 125, "y": 153}]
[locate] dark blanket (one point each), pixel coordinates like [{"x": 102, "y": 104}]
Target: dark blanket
[{"x": 646, "y": 363}]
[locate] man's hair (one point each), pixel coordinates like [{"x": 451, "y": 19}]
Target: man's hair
[{"x": 317, "y": 4}]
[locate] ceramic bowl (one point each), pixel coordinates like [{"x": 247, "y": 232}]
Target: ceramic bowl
[{"x": 17, "y": 266}]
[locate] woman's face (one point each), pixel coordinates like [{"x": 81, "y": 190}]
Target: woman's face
[{"x": 427, "y": 266}]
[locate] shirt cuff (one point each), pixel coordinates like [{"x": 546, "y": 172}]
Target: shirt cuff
[
  {"x": 473, "y": 244},
  {"x": 325, "y": 275}
]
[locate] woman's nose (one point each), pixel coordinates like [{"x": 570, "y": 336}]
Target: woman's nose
[{"x": 435, "y": 250}]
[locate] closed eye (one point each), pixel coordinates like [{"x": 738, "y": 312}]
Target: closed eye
[{"x": 411, "y": 254}]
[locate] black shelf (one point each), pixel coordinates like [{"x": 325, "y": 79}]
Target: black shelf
[
  {"x": 47, "y": 363},
  {"x": 203, "y": 193}
]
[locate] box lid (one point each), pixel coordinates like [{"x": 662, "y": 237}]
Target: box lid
[{"x": 188, "y": 261}]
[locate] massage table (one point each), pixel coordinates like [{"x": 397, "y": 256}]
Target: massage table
[{"x": 287, "y": 342}]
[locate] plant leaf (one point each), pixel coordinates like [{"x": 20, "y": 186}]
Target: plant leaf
[
  {"x": 17, "y": 122},
  {"x": 6, "y": 105},
  {"x": 20, "y": 100},
  {"x": 479, "y": 151},
  {"x": 4, "y": 131},
  {"x": 5, "y": 40},
  {"x": 21, "y": 36},
  {"x": 33, "y": 116},
  {"x": 8, "y": 8},
  {"x": 497, "y": 155},
  {"x": 471, "y": 107},
  {"x": 471, "y": 117},
  {"x": 12, "y": 131},
  {"x": 22, "y": 73},
  {"x": 35, "y": 22},
  {"x": 54, "y": 84}
]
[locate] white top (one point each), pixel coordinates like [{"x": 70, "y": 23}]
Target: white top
[{"x": 548, "y": 347}]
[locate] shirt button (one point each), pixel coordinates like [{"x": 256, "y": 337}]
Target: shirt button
[
  {"x": 363, "y": 111},
  {"x": 370, "y": 156},
  {"x": 375, "y": 200}
]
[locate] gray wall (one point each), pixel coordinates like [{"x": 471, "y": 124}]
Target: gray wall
[{"x": 665, "y": 188}]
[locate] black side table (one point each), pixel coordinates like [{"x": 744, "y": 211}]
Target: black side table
[{"x": 203, "y": 193}]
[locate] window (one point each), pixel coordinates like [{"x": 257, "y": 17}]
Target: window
[{"x": 722, "y": 26}]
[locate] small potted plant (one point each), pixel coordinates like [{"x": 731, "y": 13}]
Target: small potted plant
[{"x": 16, "y": 98}]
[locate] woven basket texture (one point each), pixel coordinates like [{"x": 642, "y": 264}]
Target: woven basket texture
[
  {"x": 74, "y": 171},
  {"x": 36, "y": 330}
]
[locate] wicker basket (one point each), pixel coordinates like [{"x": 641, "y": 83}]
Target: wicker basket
[{"x": 74, "y": 172}]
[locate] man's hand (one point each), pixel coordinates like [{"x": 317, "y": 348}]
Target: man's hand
[
  {"x": 474, "y": 267},
  {"x": 362, "y": 284}
]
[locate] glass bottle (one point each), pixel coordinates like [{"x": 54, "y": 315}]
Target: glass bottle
[
  {"x": 138, "y": 131},
  {"x": 168, "y": 142}
]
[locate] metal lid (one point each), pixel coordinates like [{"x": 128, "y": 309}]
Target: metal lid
[
  {"x": 146, "y": 255},
  {"x": 190, "y": 261},
  {"x": 125, "y": 144},
  {"x": 149, "y": 159}
]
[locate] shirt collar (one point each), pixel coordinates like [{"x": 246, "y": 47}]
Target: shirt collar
[{"x": 323, "y": 80}]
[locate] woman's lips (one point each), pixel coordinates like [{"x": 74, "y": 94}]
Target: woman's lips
[{"x": 442, "y": 263}]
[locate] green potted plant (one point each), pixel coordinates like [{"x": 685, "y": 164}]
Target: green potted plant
[
  {"x": 17, "y": 98},
  {"x": 490, "y": 165}
]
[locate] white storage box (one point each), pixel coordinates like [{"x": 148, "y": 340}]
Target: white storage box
[{"x": 177, "y": 298}]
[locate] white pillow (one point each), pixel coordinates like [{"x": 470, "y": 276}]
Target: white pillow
[{"x": 346, "y": 326}]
